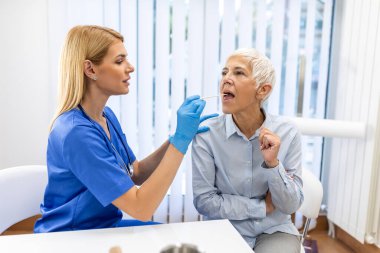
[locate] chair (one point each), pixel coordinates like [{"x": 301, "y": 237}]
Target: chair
[
  {"x": 313, "y": 193},
  {"x": 21, "y": 192}
]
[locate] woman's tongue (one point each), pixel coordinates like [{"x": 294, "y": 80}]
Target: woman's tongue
[{"x": 228, "y": 96}]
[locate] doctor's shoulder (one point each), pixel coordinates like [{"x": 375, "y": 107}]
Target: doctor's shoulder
[{"x": 69, "y": 122}]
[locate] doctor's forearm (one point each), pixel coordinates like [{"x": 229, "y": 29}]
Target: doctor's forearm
[
  {"x": 156, "y": 186},
  {"x": 150, "y": 163},
  {"x": 141, "y": 203}
]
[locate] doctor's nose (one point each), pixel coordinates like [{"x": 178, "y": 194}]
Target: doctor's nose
[{"x": 130, "y": 68}]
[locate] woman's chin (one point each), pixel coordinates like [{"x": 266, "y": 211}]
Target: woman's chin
[
  {"x": 125, "y": 92},
  {"x": 226, "y": 110}
]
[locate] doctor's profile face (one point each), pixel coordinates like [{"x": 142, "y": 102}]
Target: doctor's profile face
[
  {"x": 113, "y": 73},
  {"x": 237, "y": 86}
]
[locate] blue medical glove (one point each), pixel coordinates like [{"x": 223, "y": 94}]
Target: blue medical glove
[
  {"x": 203, "y": 129},
  {"x": 188, "y": 120}
]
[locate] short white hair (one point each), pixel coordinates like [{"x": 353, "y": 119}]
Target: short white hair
[{"x": 262, "y": 68}]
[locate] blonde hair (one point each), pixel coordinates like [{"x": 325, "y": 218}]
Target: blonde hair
[
  {"x": 82, "y": 43},
  {"x": 262, "y": 69}
]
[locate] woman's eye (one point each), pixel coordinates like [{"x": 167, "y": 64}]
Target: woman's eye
[
  {"x": 224, "y": 73},
  {"x": 239, "y": 73},
  {"x": 119, "y": 61}
]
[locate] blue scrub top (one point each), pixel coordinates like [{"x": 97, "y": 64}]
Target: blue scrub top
[{"x": 85, "y": 173}]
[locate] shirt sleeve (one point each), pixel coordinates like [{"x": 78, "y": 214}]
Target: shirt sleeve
[
  {"x": 86, "y": 153},
  {"x": 209, "y": 200},
  {"x": 285, "y": 182}
]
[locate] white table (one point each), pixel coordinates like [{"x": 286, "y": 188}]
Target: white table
[{"x": 210, "y": 236}]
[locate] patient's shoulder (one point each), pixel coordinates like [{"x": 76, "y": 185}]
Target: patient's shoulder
[{"x": 284, "y": 125}]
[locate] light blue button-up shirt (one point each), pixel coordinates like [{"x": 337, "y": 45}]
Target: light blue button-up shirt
[{"x": 230, "y": 180}]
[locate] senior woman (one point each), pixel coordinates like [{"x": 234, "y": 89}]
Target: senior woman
[{"x": 247, "y": 168}]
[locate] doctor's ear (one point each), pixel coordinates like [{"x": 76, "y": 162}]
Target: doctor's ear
[
  {"x": 263, "y": 91},
  {"x": 88, "y": 68}
]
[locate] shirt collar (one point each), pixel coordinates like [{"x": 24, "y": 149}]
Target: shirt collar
[{"x": 231, "y": 127}]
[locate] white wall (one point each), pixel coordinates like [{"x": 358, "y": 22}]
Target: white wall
[
  {"x": 355, "y": 96},
  {"x": 24, "y": 91}
]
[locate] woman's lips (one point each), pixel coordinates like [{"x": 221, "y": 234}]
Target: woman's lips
[{"x": 228, "y": 96}]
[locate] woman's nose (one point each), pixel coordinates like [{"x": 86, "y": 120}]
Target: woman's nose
[
  {"x": 130, "y": 68},
  {"x": 226, "y": 79}
]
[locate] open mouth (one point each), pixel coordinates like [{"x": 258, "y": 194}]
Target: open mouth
[{"x": 228, "y": 95}]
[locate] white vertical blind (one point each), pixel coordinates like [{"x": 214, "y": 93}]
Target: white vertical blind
[
  {"x": 245, "y": 23},
  {"x": 276, "y": 53},
  {"x": 128, "y": 110},
  {"x": 307, "y": 108},
  {"x": 261, "y": 26},
  {"x": 322, "y": 78},
  {"x": 323, "y": 67},
  {"x": 111, "y": 18},
  {"x": 309, "y": 52},
  {"x": 195, "y": 47},
  {"x": 228, "y": 30},
  {"x": 178, "y": 94},
  {"x": 292, "y": 57},
  {"x": 161, "y": 112},
  {"x": 211, "y": 68},
  {"x": 145, "y": 77},
  {"x": 162, "y": 73},
  {"x": 195, "y": 67}
]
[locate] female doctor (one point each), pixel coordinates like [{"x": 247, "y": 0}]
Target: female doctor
[{"x": 88, "y": 158}]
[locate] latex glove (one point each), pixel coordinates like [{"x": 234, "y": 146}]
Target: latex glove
[
  {"x": 188, "y": 120},
  {"x": 203, "y": 129}
]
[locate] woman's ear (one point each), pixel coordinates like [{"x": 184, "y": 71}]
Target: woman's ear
[
  {"x": 263, "y": 91},
  {"x": 89, "y": 69}
]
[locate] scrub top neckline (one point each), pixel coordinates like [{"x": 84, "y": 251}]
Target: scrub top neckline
[{"x": 97, "y": 125}]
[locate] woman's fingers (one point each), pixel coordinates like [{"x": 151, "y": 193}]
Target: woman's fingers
[{"x": 267, "y": 139}]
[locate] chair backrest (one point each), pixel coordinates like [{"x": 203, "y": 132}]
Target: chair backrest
[
  {"x": 313, "y": 193},
  {"x": 21, "y": 192}
]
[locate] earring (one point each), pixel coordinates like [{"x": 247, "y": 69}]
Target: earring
[{"x": 94, "y": 78}]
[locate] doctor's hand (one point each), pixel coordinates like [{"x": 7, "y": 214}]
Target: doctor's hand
[
  {"x": 188, "y": 120},
  {"x": 203, "y": 129},
  {"x": 269, "y": 146}
]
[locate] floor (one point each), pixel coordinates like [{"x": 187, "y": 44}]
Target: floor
[{"x": 326, "y": 244}]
